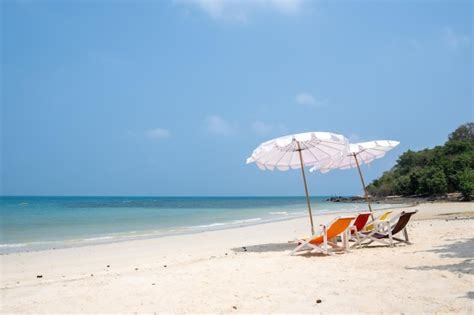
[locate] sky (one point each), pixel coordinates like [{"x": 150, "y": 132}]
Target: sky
[{"x": 169, "y": 98}]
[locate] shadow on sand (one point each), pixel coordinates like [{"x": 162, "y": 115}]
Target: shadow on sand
[
  {"x": 458, "y": 249},
  {"x": 262, "y": 248},
  {"x": 275, "y": 247}
]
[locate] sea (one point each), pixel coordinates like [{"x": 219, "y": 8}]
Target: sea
[{"x": 38, "y": 223}]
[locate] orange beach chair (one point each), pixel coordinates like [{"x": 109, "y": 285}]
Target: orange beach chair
[{"x": 323, "y": 239}]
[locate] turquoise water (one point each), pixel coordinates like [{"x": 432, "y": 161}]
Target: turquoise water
[{"x": 30, "y": 223}]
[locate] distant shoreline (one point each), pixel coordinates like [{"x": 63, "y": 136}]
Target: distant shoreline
[{"x": 454, "y": 197}]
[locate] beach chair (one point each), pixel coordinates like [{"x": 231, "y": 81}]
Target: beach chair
[
  {"x": 358, "y": 226},
  {"x": 383, "y": 216},
  {"x": 385, "y": 230},
  {"x": 322, "y": 240}
]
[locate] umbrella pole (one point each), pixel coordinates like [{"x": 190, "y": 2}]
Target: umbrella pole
[
  {"x": 306, "y": 188},
  {"x": 363, "y": 185}
]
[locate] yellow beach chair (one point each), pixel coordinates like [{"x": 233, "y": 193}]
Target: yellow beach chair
[{"x": 382, "y": 217}]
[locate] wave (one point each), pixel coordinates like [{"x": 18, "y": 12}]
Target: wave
[
  {"x": 246, "y": 221},
  {"x": 13, "y": 245},
  {"x": 100, "y": 238},
  {"x": 207, "y": 225},
  {"x": 235, "y": 222},
  {"x": 279, "y": 213}
]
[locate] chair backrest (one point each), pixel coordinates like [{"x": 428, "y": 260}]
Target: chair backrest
[
  {"x": 336, "y": 227},
  {"x": 339, "y": 226},
  {"x": 361, "y": 220},
  {"x": 402, "y": 221},
  {"x": 384, "y": 216}
]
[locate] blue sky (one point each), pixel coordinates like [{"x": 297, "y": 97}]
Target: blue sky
[{"x": 171, "y": 97}]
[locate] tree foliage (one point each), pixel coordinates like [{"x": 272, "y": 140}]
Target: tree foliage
[{"x": 440, "y": 170}]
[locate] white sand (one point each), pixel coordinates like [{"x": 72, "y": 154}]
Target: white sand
[{"x": 209, "y": 272}]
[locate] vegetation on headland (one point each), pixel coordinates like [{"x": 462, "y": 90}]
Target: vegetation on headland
[{"x": 432, "y": 172}]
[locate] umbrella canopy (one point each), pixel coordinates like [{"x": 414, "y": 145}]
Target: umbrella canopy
[
  {"x": 317, "y": 148},
  {"x": 299, "y": 150},
  {"x": 366, "y": 152},
  {"x": 360, "y": 153}
]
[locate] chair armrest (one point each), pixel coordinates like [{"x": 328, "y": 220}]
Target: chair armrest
[{"x": 382, "y": 224}]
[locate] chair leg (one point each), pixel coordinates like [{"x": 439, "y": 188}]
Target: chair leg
[
  {"x": 301, "y": 247},
  {"x": 296, "y": 249},
  {"x": 405, "y": 233},
  {"x": 325, "y": 239},
  {"x": 359, "y": 245},
  {"x": 366, "y": 237},
  {"x": 345, "y": 238}
]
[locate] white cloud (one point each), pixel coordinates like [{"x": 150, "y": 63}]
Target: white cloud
[
  {"x": 220, "y": 126},
  {"x": 157, "y": 133},
  {"x": 261, "y": 128},
  {"x": 240, "y": 10},
  {"x": 305, "y": 99},
  {"x": 309, "y": 100},
  {"x": 453, "y": 39}
]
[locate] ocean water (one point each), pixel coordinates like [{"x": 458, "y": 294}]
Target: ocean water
[{"x": 34, "y": 223}]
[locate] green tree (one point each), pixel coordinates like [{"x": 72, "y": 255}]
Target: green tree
[
  {"x": 432, "y": 182},
  {"x": 403, "y": 185},
  {"x": 463, "y": 132},
  {"x": 466, "y": 184},
  {"x": 442, "y": 169}
]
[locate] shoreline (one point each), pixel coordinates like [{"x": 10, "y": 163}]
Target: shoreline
[
  {"x": 452, "y": 197},
  {"x": 6, "y": 249}
]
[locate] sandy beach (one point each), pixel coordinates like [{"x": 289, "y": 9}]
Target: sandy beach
[{"x": 211, "y": 272}]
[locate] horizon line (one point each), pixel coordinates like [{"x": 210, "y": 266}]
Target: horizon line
[{"x": 180, "y": 196}]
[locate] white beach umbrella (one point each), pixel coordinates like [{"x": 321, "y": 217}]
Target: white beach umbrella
[
  {"x": 359, "y": 153},
  {"x": 299, "y": 150}
]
